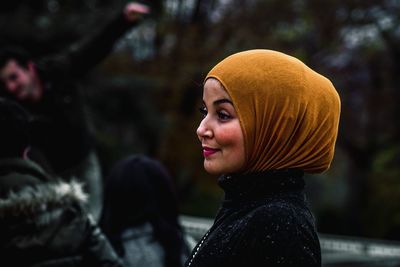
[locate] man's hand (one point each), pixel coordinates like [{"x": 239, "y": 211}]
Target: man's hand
[{"x": 134, "y": 11}]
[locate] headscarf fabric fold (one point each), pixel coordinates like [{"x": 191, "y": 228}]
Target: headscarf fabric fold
[{"x": 289, "y": 113}]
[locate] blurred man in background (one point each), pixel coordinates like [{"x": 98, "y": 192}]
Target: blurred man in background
[{"x": 61, "y": 136}]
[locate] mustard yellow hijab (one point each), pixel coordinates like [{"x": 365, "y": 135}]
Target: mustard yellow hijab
[{"x": 289, "y": 113}]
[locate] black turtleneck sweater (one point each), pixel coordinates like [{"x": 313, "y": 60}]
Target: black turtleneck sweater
[{"x": 264, "y": 220}]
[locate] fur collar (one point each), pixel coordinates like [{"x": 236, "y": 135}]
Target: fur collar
[{"x": 35, "y": 200}]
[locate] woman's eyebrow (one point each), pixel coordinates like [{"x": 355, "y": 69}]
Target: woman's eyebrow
[{"x": 224, "y": 100}]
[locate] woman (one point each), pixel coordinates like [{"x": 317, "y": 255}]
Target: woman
[
  {"x": 140, "y": 214},
  {"x": 268, "y": 119}
]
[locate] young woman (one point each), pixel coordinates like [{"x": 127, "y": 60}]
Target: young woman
[
  {"x": 268, "y": 119},
  {"x": 140, "y": 214}
]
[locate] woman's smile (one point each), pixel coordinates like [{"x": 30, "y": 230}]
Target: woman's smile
[{"x": 207, "y": 151}]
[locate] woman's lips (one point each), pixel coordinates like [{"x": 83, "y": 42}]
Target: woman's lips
[{"x": 207, "y": 151}]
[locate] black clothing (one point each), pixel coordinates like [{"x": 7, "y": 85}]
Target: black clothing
[
  {"x": 42, "y": 222},
  {"x": 61, "y": 138},
  {"x": 61, "y": 135},
  {"x": 264, "y": 220}
]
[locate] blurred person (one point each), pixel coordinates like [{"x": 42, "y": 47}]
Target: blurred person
[
  {"x": 61, "y": 134},
  {"x": 42, "y": 220},
  {"x": 267, "y": 120},
  {"x": 140, "y": 214}
]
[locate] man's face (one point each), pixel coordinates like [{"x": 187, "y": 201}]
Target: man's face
[{"x": 18, "y": 80}]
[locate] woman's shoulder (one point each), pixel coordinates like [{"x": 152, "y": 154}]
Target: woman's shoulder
[
  {"x": 280, "y": 215},
  {"x": 269, "y": 232},
  {"x": 282, "y": 227},
  {"x": 278, "y": 206},
  {"x": 141, "y": 247}
]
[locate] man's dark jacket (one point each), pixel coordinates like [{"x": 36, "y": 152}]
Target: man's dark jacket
[{"x": 61, "y": 136}]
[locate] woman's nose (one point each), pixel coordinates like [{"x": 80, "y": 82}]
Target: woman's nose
[{"x": 204, "y": 131}]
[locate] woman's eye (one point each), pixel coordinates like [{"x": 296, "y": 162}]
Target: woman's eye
[
  {"x": 203, "y": 111},
  {"x": 223, "y": 116}
]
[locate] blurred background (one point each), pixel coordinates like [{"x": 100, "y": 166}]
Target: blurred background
[{"x": 144, "y": 97}]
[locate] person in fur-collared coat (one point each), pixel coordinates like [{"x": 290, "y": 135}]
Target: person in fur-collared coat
[{"x": 42, "y": 219}]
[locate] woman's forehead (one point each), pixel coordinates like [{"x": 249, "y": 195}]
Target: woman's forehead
[{"x": 213, "y": 88}]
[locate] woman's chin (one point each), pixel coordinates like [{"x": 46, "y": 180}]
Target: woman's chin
[{"x": 212, "y": 169}]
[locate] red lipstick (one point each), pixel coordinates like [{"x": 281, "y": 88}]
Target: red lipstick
[{"x": 207, "y": 151}]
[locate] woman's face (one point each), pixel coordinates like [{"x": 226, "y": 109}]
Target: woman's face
[{"x": 219, "y": 132}]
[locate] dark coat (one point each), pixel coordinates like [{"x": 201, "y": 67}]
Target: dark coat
[
  {"x": 60, "y": 121},
  {"x": 264, "y": 221},
  {"x": 42, "y": 222}
]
